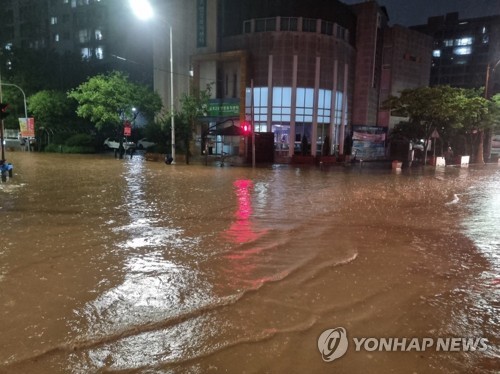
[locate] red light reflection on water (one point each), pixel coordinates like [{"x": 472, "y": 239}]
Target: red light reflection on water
[
  {"x": 244, "y": 257},
  {"x": 241, "y": 230}
]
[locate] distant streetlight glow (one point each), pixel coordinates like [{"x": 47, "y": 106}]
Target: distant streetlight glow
[{"x": 142, "y": 9}]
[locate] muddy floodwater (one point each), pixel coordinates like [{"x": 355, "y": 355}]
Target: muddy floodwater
[{"x": 132, "y": 266}]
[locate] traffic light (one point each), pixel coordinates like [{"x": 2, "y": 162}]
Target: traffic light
[
  {"x": 3, "y": 110},
  {"x": 246, "y": 128}
]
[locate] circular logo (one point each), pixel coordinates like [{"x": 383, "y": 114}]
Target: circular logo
[{"x": 333, "y": 344}]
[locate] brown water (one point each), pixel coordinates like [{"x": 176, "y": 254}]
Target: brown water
[{"x": 130, "y": 266}]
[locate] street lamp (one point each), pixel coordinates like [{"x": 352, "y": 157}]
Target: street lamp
[
  {"x": 143, "y": 10},
  {"x": 24, "y": 97},
  {"x": 489, "y": 72},
  {"x": 25, "y": 111}
]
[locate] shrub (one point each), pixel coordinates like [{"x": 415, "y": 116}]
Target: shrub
[
  {"x": 52, "y": 148},
  {"x": 80, "y": 140},
  {"x": 78, "y": 149}
]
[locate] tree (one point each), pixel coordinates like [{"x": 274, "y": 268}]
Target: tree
[
  {"x": 193, "y": 107},
  {"x": 445, "y": 108},
  {"x": 476, "y": 118},
  {"x": 107, "y": 99},
  {"x": 52, "y": 109}
]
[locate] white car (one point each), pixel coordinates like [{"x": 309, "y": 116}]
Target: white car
[
  {"x": 145, "y": 143},
  {"x": 111, "y": 143}
]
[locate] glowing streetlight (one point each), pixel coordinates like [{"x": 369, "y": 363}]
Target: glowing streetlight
[{"x": 143, "y": 10}]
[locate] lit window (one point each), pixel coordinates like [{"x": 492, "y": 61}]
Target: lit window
[
  {"x": 98, "y": 35},
  {"x": 436, "y": 53},
  {"x": 85, "y": 53},
  {"x": 282, "y": 102},
  {"x": 324, "y": 106},
  {"x": 73, "y": 3},
  {"x": 463, "y": 41},
  {"x": 462, "y": 51},
  {"x": 53, "y": 20},
  {"x": 448, "y": 42},
  {"x": 56, "y": 37},
  {"x": 484, "y": 30},
  {"x": 99, "y": 54}
]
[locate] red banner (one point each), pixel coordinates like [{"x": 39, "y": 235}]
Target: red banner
[
  {"x": 127, "y": 129},
  {"x": 27, "y": 126}
]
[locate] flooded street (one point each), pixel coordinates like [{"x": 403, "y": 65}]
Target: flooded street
[{"x": 132, "y": 266}]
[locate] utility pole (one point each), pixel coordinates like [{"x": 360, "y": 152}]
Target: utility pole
[
  {"x": 253, "y": 125},
  {"x": 1, "y": 127}
]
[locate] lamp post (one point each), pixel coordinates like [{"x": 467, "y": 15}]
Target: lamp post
[
  {"x": 489, "y": 72},
  {"x": 24, "y": 97},
  {"x": 143, "y": 10}
]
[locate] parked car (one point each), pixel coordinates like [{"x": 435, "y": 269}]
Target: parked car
[
  {"x": 145, "y": 143},
  {"x": 111, "y": 143}
]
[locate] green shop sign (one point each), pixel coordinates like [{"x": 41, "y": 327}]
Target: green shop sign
[{"x": 223, "y": 109}]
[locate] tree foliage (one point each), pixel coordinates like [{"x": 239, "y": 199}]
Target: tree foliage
[
  {"x": 193, "y": 107},
  {"x": 52, "y": 109},
  {"x": 107, "y": 99},
  {"x": 453, "y": 112}
]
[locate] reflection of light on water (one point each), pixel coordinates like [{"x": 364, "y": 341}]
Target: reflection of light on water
[
  {"x": 155, "y": 288},
  {"x": 483, "y": 225},
  {"x": 241, "y": 230},
  {"x": 482, "y": 317}
]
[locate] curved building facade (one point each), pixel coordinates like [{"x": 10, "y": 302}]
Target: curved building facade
[{"x": 297, "y": 69}]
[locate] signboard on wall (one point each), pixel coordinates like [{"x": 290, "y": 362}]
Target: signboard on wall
[
  {"x": 201, "y": 23},
  {"x": 368, "y": 142},
  {"x": 219, "y": 108},
  {"x": 27, "y": 127}
]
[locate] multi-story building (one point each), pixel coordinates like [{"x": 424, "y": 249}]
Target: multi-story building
[
  {"x": 463, "y": 49},
  {"x": 103, "y": 32},
  {"x": 317, "y": 69}
]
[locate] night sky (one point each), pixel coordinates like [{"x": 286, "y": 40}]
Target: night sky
[{"x": 416, "y": 12}]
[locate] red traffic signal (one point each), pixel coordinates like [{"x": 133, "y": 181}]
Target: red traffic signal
[
  {"x": 3, "y": 110},
  {"x": 246, "y": 128}
]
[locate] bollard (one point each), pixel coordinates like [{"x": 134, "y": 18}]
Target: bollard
[{"x": 397, "y": 165}]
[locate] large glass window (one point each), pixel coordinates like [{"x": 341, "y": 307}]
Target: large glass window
[
  {"x": 265, "y": 24},
  {"x": 304, "y": 105},
  {"x": 260, "y": 95},
  {"x": 282, "y": 104},
  {"x": 288, "y": 24},
  {"x": 324, "y": 106},
  {"x": 308, "y": 25},
  {"x": 338, "y": 109},
  {"x": 327, "y": 28}
]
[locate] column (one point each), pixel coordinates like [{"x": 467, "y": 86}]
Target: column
[
  {"x": 314, "y": 132},
  {"x": 269, "y": 93},
  {"x": 291, "y": 140}
]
